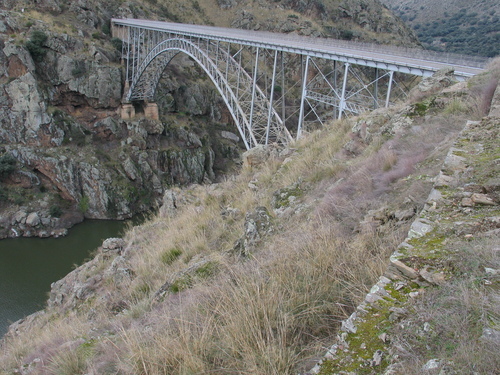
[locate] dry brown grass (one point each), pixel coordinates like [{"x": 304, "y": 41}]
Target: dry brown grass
[
  {"x": 51, "y": 346},
  {"x": 483, "y": 88},
  {"x": 256, "y": 318}
]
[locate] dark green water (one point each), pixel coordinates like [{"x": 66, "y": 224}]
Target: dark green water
[{"x": 29, "y": 265}]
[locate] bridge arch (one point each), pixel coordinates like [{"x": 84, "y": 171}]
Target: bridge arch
[{"x": 245, "y": 101}]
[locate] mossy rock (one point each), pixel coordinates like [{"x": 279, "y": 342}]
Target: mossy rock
[{"x": 285, "y": 197}]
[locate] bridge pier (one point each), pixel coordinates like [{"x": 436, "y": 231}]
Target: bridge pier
[
  {"x": 151, "y": 111},
  {"x": 127, "y": 111}
]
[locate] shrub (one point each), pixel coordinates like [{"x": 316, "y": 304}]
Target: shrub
[
  {"x": 117, "y": 43},
  {"x": 83, "y": 205},
  {"x": 455, "y": 107},
  {"x": 346, "y": 34},
  {"x": 7, "y": 165},
  {"x": 55, "y": 211},
  {"x": 35, "y": 45},
  {"x": 4, "y": 196},
  {"x": 106, "y": 29}
]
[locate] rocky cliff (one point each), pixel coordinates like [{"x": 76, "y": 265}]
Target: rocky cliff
[{"x": 68, "y": 154}]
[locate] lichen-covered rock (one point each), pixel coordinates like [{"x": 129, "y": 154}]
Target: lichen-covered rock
[
  {"x": 430, "y": 85},
  {"x": 23, "y": 118},
  {"x": 258, "y": 155},
  {"x": 285, "y": 199},
  {"x": 258, "y": 224},
  {"x": 99, "y": 84}
]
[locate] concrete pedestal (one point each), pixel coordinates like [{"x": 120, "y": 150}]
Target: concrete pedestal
[
  {"x": 151, "y": 111},
  {"x": 127, "y": 111}
]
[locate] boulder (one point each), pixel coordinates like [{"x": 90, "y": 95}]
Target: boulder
[
  {"x": 258, "y": 155},
  {"x": 33, "y": 219},
  {"x": 430, "y": 85},
  {"x": 258, "y": 224}
]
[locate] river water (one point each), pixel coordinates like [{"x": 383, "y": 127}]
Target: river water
[{"x": 29, "y": 265}]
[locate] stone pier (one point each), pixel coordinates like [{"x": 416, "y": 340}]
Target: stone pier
[
  {"x": 151, "y": 111},
  {"x": 127, "y": 111}
]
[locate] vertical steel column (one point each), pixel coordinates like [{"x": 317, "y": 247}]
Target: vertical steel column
[
  {"x": 239, "y": 72},
  {"x": 335, "y": 78},
  {"x": 126, "y": 46},
  {"x": 228, "y": 57},
  {"x": 302, "y": 98},
  {"x": 391, "y": 73},
  {"x": 342, "y": 97},
  {"x": 217, "y": 54},
  {"x": 254, "y": 84},
  {"x": 283, "y": 89},
  {"x": 375, "y": 90},
  {"x": 271, "y": 97},
  {"x": 134, "y": 51}
]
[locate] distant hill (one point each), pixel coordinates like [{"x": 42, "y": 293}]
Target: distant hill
[{"x": 469, "y": 27}]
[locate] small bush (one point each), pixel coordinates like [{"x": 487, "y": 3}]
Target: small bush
[
  {"x": 55, "y": 211},
  {"x": 35, "y": 45},
  {"x": 83, "y": 205},
  {"x": 207, "y": 270},
  {"x": 4, "y": 196},
  {"x": 117, "y": 43},
  {"x": 7, "y": 165},
  {"x": 455, "y": 107},
  {"x": 181, "y": 284},
  {"x": 346, "y": 34},
  {"x": 106, "y": 29}
]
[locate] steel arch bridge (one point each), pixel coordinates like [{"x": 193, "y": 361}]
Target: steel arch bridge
[{"x": 257, "y": 73}]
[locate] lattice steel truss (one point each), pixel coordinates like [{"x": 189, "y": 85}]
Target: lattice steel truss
[{"x": 268, "y": 88}]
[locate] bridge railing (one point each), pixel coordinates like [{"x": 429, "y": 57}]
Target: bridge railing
[
  {"x": 414, "y": 53},
  {"x": 315, "y": 43}
]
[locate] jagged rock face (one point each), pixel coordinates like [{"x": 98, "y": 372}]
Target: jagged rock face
[
  {"x": 57, "y": 114},
  {"x": 23, "y": 116},
  {"x": 99, "y": 86}
]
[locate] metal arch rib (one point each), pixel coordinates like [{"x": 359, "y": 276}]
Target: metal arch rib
[
  {"x": 182, "y": 45},
  {"x": 147, "y": 75}
]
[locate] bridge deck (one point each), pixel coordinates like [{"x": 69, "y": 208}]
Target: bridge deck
[{"x": 412, "y": 61}]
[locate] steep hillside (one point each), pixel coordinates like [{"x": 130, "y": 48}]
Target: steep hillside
[
  {"x": 459, "y": 26},
  {"x": 253, "y": 275},
  {"x": 66, "y": 155}
]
